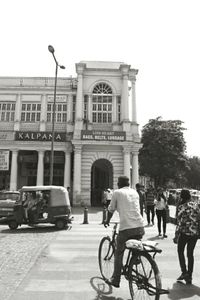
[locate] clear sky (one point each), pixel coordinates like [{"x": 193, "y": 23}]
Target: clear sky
[{"x": 158, "y": 37}]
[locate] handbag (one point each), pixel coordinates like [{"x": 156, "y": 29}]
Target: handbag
[
  {"x": 175, "y": 239},
  {"x": 177, "y": 233}
]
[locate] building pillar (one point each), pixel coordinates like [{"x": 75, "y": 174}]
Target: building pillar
[
  {"x": 43, "y": 113},
  {"x": 67, "y": 170},
  {"x": 77, "y": 174},
  {"x": 126, "y": 162},
  {"x": 114, "y": 112},
  {"x": 17, "y": 113},
  {"x": 90, "y": 109},
  {"x": 69, "y": 107},
  {"x": 14, "y": 170},
  {"x": 125, "y": 98},
  {"x": 79, "y": 97},
  {"x": 134, "y": 108},
  {"x": 40, "y": 168},
  {"x": 135, "y": 169}
]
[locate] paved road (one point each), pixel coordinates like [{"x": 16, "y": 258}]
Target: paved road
[
  {"x": 19, "y": 250},
  {"x": 68, "y": 268}
]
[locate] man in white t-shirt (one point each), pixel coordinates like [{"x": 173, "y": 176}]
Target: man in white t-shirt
[{"x": 125, "y": 201}]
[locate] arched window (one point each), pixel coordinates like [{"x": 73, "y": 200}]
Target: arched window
[
  {"x": 102, "y": 103},
  {"x": 102, "y": 88}
]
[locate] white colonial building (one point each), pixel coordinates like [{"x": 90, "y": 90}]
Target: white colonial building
[{"x": 96, "y": 130}]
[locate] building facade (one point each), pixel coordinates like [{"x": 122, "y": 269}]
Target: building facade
[{"x": 95, "y": 124}]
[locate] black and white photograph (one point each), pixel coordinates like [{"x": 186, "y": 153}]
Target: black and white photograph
[{"x": 99, "y": 150}]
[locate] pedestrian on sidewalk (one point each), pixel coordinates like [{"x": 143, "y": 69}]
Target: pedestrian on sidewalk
[
  {"x": 150, "y": 205},
  {"x": 142, "y": 197},
  {"x": 187, "y": 232},
  {"x": 126, "y": 201},
  {"x": 107, "y": 197},
  {"x": 161, "y": 212}
]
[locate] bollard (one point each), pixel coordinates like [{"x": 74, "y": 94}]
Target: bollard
[
  {"x": 104, "y": 217},
  {"x": 85, "y": 219}
]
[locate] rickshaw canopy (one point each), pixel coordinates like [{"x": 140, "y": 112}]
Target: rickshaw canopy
[{"x": 58, "y": 194}]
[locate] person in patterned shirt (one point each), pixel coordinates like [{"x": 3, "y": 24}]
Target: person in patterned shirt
[{"x": 187, "y": 229}]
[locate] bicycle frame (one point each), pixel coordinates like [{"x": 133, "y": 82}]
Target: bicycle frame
[{"x": 140, "y": 276}]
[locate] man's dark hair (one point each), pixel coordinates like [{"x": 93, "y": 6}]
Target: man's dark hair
[
  {"x": 185, "y": 196},
  {"x": 137, "y": 186},
  {"x": 123, "y": 181}
]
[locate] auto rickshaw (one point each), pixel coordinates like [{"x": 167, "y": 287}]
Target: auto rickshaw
[{"x": 39, "y": 205}]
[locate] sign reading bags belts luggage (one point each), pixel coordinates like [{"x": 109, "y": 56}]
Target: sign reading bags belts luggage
[{"x": 98, "y": 135}]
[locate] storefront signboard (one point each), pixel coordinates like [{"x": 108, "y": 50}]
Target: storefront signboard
[
  {"x": 98, "y": 135},
  {"x": 40, "y": 136},
  {"x": 4, "y": 160}
]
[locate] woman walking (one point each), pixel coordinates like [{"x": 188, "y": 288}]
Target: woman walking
[
  {"x": 161, "y": 212},
  {"x": 187, "y": 232}
]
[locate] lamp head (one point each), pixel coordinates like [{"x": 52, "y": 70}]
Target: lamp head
[
  {"x": 62, "y": 67},
  {"x": 51, "y": 49}
]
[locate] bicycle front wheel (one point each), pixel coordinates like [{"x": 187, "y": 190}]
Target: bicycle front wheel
[
  {"x": 144, "y": 277},
  {"x": 106, "y": 257}
]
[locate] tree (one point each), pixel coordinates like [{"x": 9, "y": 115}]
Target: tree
[
  {"x": 162, "y": 156},
  {"x": 193, "y": 172}
]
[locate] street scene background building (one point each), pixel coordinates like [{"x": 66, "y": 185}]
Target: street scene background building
[{"x": 96, "y": 131}]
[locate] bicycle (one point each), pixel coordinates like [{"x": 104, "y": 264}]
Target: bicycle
[{"x": 139, "y": 266}]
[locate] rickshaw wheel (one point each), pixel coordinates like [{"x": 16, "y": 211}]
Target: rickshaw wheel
[
  {"x": 13, "y": 224},
  {"x": 60, "y": 224}
]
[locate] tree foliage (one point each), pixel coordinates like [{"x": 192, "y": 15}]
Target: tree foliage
[
  {"x": 162, "y": 156},
  {"x": 193, "y": 172}
]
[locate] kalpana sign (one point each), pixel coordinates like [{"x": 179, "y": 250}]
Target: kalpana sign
[
  {"x": 39, "y": 136},
  {"x": 98, "y": 135}
]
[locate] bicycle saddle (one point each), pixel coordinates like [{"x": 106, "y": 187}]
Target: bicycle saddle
[{"x": 141, "y": 245}]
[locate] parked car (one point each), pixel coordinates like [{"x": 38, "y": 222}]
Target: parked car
[
  {"x": 7, "y": 202},
  {"x": 39, "y": 205}
]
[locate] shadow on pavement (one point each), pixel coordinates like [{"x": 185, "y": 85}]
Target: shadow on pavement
[
  {"x": 155, "y": 238},
  {"x": 103, "y": 290},
  {"x": 34, "y": 229},
  {"x": 181, "y": 291}
]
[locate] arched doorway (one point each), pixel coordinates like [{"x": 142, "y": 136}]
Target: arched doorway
[{"x": 101, "y": 178}]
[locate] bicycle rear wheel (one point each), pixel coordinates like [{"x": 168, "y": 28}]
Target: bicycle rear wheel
[
  {"x": 106, "y": 257},
  {"x": 144, "y": 277}
]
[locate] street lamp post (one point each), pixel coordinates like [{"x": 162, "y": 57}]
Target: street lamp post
[{"x": 51, "y": 49}]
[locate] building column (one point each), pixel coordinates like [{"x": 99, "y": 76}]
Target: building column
[
  {"x": 17, "y": 113},
  {"x": 135, "y": 169},
  {"x": 40, "y": 168},
  {"x": 90, "y": 109},
  {"x": 125, "y": 98},
  {"x": 79, "y": 97},
  {"x": 69, "y": 107},
  {"x": 14, "y": 170},
  {"x": 77, "y": 174},
  {"x": 67, "y": 170},
  {"x": 114, "y": 112},
  {"x": 43, "y": 113},
  {"x": 69, "y": 123},
  {"x": 134, "y": 111},
  {"x": 127, "y": 162}
]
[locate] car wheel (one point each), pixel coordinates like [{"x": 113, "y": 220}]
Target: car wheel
[
  {"x": 60, "y": 224},
  {"x": 13, "y": 224}
]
